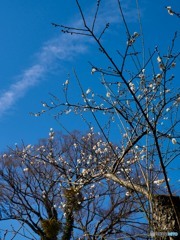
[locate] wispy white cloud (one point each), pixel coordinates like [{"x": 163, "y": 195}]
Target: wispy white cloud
[
  {"x": 64, "y": 47},
  {"x": 28, "y": 79}
]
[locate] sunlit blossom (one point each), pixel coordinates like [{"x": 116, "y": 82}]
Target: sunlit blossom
[
  {"x": 88, "y": 91},
  {"x": 159, "y": 59},
  {"x": 178, "y": 100},
  {"x": 84, "y": 171},
  {"x": 174, "y": 141},
  {"x": 159, "y": 181},
  {"x": 68, "y": 111},
  {"x": 94, "y": 147},
  {"x": 161, "y": 66},
  {"x": 132, "y": 87},
  {"x": 75, "y": 145},
  {"x": 66, "y": 82},
  {"x": 151, "y": 85},
  {"x": 28, "y": 146},
  {"x": 142, "y": 76},
  {"x": 130, "y": 42},
  {"x": 170, "y": 10},
  {"x": 128, "y": 194},
  {"x": 93, "y": 70},
  {"x": 25, "y": 169},
  {"x": 159, "y": 76},
  {"x": 44, "y": 105},
  {"x": 135, "y": 34},
  {"x": 125, "y": 135},
  {"x": 108, "y": 94}
]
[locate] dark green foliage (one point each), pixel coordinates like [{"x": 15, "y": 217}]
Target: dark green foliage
[{"x": 51, "y": 228}]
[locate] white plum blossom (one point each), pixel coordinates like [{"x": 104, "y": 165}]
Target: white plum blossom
[
  {"x": 128, "y": 194},
  {"x": 25, "y": 170},
  {"x": 75, "y": 145},
  {"x": 132, "y": 87},
  {"x": 159, "y": 59},
  {"x": 159, "y": 75},
  {"x": 93, "y": 70},
  {"x": 130, "y": 41},
  {"x": 68, "y": 111},
  {"x": 43, "y": 194},
  {"x": 64, "y": 205},
  {"x": 108, "y": 94},
  {"x": 135, "y": 34},
  {"x": 158, "y": 78},
  {"x": 159, "y": 181},
  {"x": 51, "y": 135},
  {"x": 94, "y": 147},
  {"x": 44, "y": 105},
  {"x": 28, "y": 146},
  {"x": 178, "y": 100},
  {"x": 174, "y": 141},
  {"x": 142, "y": 76},
  {"x": 84, "y": 171},
  {"x": 88, "y": 91},
  {"x": 161, "y": 66},
  {"x": 125, "y": 135},
  {"x": 66, "y": 82},
  {"x": 170, "y": 10}
]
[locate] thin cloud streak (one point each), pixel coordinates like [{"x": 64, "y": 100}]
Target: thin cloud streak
[
  {"x": 61, "y": 48},
  {"x": 64, "y": 47},
  {"x": 17, "y": 90}
]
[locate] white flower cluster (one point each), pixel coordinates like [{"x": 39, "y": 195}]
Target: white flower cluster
[
  {"x": 51, "y": 134},
  {"x": 132, "y": 39},
  {"x": 160, "y": 181},
  {"x": 93, "y": 70},
  {"x": 170, "y": 11},
  {"x": 132, "y": 86},
  {"x": 174, "y": 141}
]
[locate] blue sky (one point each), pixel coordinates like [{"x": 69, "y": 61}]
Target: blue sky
[{"x": 35, "y": 58}]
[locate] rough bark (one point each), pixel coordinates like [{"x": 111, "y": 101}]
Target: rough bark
[{"x": 164, "y": 218}]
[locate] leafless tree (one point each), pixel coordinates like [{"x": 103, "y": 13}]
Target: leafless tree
[
  {"x": 56, "y": 188},
  {"x": 87, "y": 186},
  {"x": 138, "y": 97}
]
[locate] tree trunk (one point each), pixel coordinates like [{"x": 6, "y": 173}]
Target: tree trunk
[
  {"x": 68, "y": 228},
  {"x": 164, "y": 217},
  {"x": 164, "y": 220}
]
